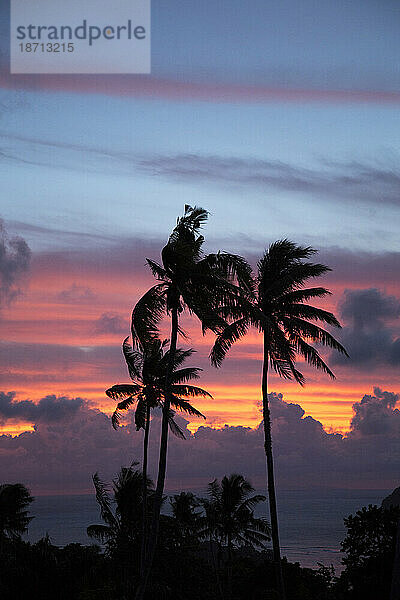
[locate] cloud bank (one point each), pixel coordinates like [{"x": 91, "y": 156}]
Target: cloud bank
[{"x": 66, "y": 448}]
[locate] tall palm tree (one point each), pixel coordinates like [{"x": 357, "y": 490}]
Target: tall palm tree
[
  {"x": 186, "y": 280},
  {"x": 230, "y": 519},
  {"x": 278, "y": 310},
  {"x": 14, "y": 517},
  {"x": 147, "y": 366},
  {"x": 187, "y": 518}
]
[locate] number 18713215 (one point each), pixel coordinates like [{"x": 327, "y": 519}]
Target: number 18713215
[{"x": 46, "y": 47}]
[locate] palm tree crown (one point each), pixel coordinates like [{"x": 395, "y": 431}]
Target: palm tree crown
[
  {"x": 278, "y": 308},
  {"x": 188, "y": 279},
  {"x": 230, "y": 513},
  {"x": 147, "y": 369},
  {"x": 122, "y": 525},
  {"x": 187, "y": 517},
  {"x": 14, "y": 517}
]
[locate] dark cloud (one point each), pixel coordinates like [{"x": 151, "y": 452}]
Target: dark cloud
[
  {"x": 14, "y": 263},
  {"x": 49, "y": 409},
  {"x": 331, "y": 180},
  {"x": 63, "y": 453},
  {"x": 111, "y": 323},
  {"x": 368, "y": 307},
  {"x": 76, "y": 294},
  {"x": 371, "y": 182},
  {"x": 371, "y": 332},
  {"x": 376, "y": 414}
]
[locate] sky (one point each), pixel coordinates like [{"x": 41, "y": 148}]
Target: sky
[{"x": 282, "y": 120}]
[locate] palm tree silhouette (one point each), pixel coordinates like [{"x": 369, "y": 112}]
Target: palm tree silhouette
[
  {"x": 14, "y": 518},
  {"x": 122, "y": 526},
  {"x": 187, "y": 518},
  {"x": 147, "y": 368},
  {"x": 187, "y": 280},
  {"x": 278, "y": 310},
  {"x": 230, "y": 520}
]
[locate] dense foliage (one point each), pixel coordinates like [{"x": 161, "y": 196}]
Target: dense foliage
[{"x": 212, "y": 547}]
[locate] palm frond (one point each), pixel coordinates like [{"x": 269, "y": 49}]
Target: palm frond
[
  {"x": 193, "y": 218},
  {"x": 174, "y": 427},
  {"x": 312, "y": 356},
  {"x": 101, "y": 533},
  {"x": 179, "y": 358},
  {"x": 231, "y": 267},
  {"x": 123, "y": 390},
  {"x": 289, "y": 279},
  {"x": 134, "y": 360},
  {"x": 116, "y": 418},
  {"x": 140, "y": 415},
  {"x": 185, "y": 406},
  {"x": 314, "y": 333},
  {"x": 231, "y": 333},
  {"x": 157, "y": 270},
  {"x": 186, "y": 374},
  {"x": 190, "y": 390},
  {"x": 104, "y": 501},
  {"x": 312, "y": 313},
  {"x": 147, "y": 315},
  {"x": 286, "y": 369},
  {"x": 303, "y": 295}
]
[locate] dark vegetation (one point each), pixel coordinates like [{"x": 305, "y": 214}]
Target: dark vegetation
[
  {"x": 209, "y": 547},
  {"x": 214, "y": 547}
]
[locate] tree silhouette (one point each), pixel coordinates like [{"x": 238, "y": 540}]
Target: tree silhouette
[
  {"x": 147, "y": 367},
  {"x": 230, "y": 520},
  {"x": 14, "y": 517},
  {"x": 278, "y": 310},
  {"x": 187, "y": 280},
  {"x": 188, "y": 521},
  {"x": 369, "y": 548},
  {"x": 121, "y": 530}
]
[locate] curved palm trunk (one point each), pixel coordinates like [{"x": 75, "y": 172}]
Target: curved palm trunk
[
  {"x": 162, "y": 465},
  {"x": 270, "y": 473},
  {"x": 144, "y": 499}
]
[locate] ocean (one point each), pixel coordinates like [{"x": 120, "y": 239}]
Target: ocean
[{"x": 310, "y": 521}]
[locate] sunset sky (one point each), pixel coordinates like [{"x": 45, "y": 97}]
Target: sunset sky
[{"x": 282, "y": 120}]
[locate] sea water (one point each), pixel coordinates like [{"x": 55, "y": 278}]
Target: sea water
[{"x": 310, "y": 521}]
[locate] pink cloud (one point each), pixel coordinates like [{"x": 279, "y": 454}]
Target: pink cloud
[{"x": 151, "y": 87}]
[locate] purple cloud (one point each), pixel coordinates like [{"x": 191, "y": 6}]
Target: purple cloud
[
  {"x": 61, "y": 454},
  {"x": 111, "y": 323},
  {"x": 76, "y": 294},
  {"x": 371, "y": 334},
  {"x": 49, "y": 409},
  {"x": 14, "y": 263}
]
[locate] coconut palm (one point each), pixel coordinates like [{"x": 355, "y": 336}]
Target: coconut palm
[
  {"x": 187, "y": 517},
  {"x": 187, "y": 279},
  {"x": 121, "y": 529},
  {"x": 14, "y": 517},
  {"x": 147, "y": 366},
  {"x": 278, "y": 310},
  {"x": 230, "y": 520}
]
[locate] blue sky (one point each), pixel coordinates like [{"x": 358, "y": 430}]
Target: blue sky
[{"x": 74, "y": 159}]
